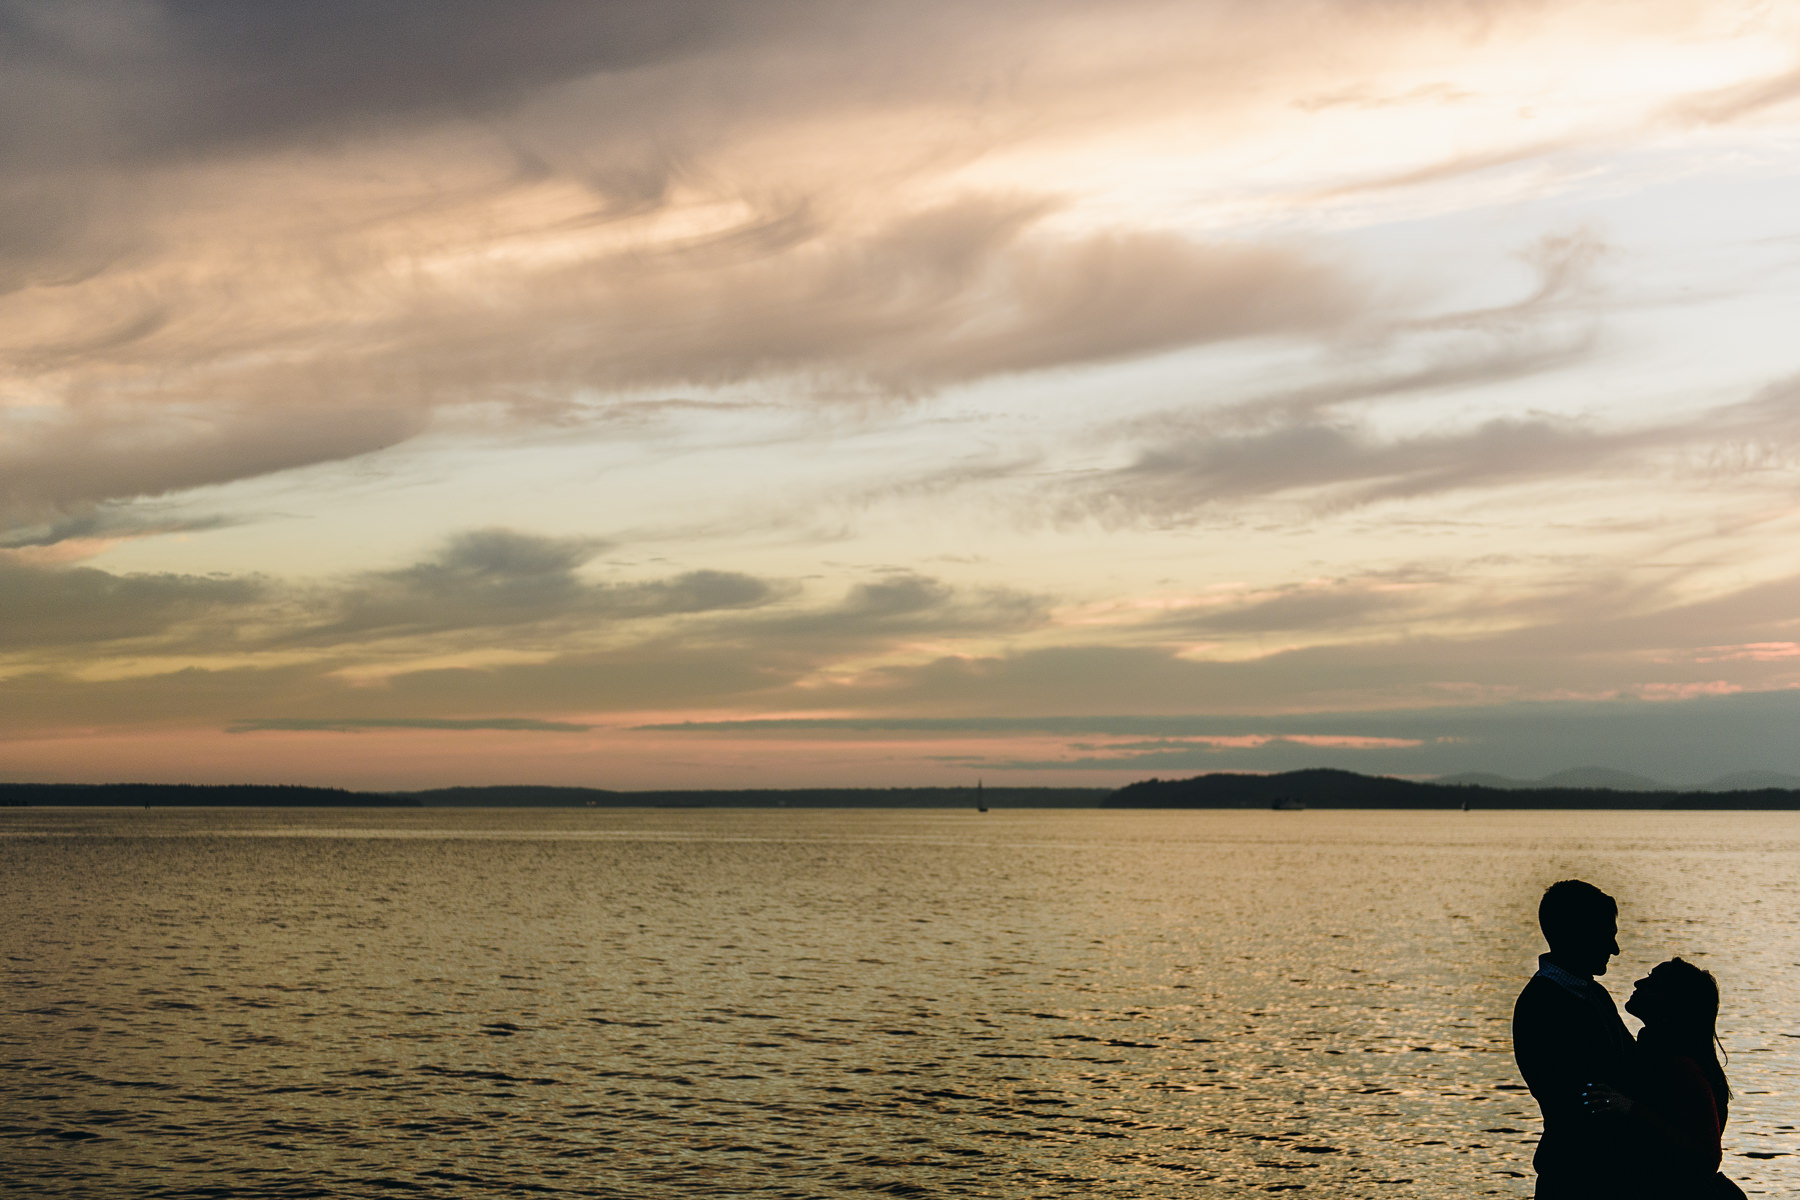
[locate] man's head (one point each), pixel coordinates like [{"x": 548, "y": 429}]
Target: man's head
[{"x": 1581, "y": 923}]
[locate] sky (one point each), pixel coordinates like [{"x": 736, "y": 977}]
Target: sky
[{"x": 689, "y": 393}]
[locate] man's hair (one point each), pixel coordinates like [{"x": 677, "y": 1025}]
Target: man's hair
[{"x": 1573, "y": 909}]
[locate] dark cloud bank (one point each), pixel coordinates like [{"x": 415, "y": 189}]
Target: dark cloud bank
[
  {"x": 1687, "y": 743},
  {"x": 725, "y": 641}
]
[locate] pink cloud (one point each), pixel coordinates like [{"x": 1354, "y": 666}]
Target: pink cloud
[
  {"x": 1686, "y": 691},
  {"x": 1752, "y": 652}
]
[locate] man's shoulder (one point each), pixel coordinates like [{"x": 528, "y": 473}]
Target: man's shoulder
[
  {"x": 1545, "y": 1006},
  {"x": 1540, "y": 992}
]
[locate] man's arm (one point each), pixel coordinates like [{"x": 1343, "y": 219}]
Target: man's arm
[{"x": 1561, "y": 1048}]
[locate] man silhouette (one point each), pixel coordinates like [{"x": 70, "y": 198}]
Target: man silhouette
[{"x": 1567, "y": 1035}]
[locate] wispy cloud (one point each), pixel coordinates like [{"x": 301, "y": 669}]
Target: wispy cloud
[
  {"x": 1742, "y": 99},
  {"x": 252, "y": 240},
  {"x": 1137, "y": 360},
  {"x": 47, "y": 608},
  {"x": 1687, "y": 739},
  {"x": 111, "y": 523},
  {"x": 494, "y": 578},
  {"x": 357, "y": 725}
]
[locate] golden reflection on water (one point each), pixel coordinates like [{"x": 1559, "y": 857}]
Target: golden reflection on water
[{"x": 814, "y": 1003}]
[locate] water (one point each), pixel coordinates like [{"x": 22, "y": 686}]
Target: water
[{"x": 800, "y": 1003}]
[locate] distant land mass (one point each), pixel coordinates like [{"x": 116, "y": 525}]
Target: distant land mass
[
  {"x": 1579, "y": 777},
  {"x": 1316, "y": 788},
  {"x": 176, "y": 795},
  {"x": 1625, "y": 781},
  {"x": 140, "y": 795},
  {"x": 1325, "y": 788},
  {"x": 896, "y": 797}
]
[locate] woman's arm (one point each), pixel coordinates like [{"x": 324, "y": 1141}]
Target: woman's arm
[
  {"x": 1683, "y": 1125},
  {"x": 1690, "y": 1120}
]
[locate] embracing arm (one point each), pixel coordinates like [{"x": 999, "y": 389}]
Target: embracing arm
[
  {"x": 1681, "y": 1128},
  {"x": 1557, "y": 1045}
]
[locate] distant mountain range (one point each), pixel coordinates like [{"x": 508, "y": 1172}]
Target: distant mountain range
[
  {"x": 180, "y": 795},
  {"x": 192, "y": 795},
  {"x": 1625, "y": 781},
  {"x": 1590, "y": 787},
  {"x": 1346, "y": 789}
]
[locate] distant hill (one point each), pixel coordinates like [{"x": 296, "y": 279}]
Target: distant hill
[
  {"x": 1483, "y": 779},
  {"x": 140, "y": 795},
  {"x": 1601, "y": 777},
  {"x": 183, "y": 795},
  {"x": 898, "y": 797},
  {"x": 1625, "y": 781},
  {"x": 513, "y": 797},
  {"x": 1578, "y": 777},
  {"x": 1322, "y": 788},
  {"x": 1752, "y": 781},
  {"x": 1311, "y": 789}
]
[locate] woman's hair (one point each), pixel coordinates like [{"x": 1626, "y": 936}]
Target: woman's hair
[{"x": 1689, "y": 1010}]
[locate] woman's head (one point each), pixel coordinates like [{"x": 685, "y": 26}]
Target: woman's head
[
  {"x": 1679, "y": 1000},
  {"x": 1679, "y": 1006}
]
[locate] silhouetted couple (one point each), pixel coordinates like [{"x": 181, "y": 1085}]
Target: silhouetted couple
[{"x": 1622, "y": 1119}]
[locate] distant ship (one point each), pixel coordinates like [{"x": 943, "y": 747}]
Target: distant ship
[{"x": 1288, "y": 804}]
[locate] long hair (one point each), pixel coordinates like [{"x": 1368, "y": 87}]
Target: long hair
[{"x": 1691, "y": 1008}]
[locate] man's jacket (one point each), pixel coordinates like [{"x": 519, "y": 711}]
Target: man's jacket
[{"x": 1563, "y": 1043}]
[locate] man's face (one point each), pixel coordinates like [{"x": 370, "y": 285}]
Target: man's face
[{"x": 1589, "y": 955}]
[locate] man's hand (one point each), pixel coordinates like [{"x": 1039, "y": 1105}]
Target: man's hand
[{"x": 1597, "y": 1099}]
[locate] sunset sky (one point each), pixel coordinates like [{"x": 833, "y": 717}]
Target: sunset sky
[{"x": 684, "y": 393}]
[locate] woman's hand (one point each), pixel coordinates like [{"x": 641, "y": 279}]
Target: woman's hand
[{"x": 1598, "y": 1099}]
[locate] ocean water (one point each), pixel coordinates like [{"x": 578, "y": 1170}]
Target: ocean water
[{"x": 805, "y": 1003}]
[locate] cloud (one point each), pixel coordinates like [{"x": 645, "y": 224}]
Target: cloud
[
  {"x": 1686, "y": 741},
  {"x": 962, "y": 290},
  {"x": 896, "y": 607},
  {"x": 153, "y": 399},
  {"x": 1627, "y": 654},
  {"x": 1310, "y": 606},
  {"x": 158, "y": 81},
  {"x": 1319, "y": 438},
  {"x": 498, "y": 578},
  {"x": 694, "y": 639},
  {"x": 244, "y": 238},
  {"x": 248, "y": 238},
  {"x": 1297, "y": 444},
  {"x": 1359, "y": 467},
  {"x": 657, "y": 674},
  {"x": 500, "y": 589},
  {"x": 55, "y": 467},
  {"x": 80, "y": 606},
  {"x": 110, "y": 523},
  {"x": 1441, "y": 642},
  {"x": 1741, "y": 100},
  {"x": 1120, "y": 296},
  {"x": 355, "y": 725},
  {"x": 1458, "y": 167},
  {"x": 478, "y": 584},
  {"x": 173, "y": 80}
]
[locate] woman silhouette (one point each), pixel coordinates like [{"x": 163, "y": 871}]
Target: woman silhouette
[{"x": 1679, "y": 1113}]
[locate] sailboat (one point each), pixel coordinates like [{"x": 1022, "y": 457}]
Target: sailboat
[{"x": 980, "y": 800}]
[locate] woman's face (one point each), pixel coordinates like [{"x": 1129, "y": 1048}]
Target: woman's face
[{"x": 1647, "y": 994}]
